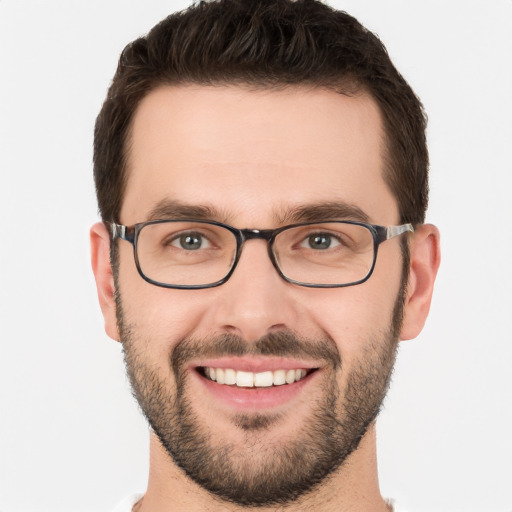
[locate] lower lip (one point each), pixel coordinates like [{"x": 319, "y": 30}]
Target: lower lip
[{"x": 254, "y": 398}]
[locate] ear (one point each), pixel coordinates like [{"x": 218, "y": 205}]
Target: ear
[
  {"x": 100, "y": 259},
  {"x": 425, "y": 259}
]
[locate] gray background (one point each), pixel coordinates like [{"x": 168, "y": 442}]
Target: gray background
[{"x": 71, "y": 437}]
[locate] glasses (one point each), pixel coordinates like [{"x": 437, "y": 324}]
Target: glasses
[{"x": 192, "y": 254}]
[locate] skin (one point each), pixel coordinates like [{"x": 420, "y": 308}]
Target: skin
[{"x": 253, "y": 156}]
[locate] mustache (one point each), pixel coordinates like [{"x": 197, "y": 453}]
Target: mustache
[{"x": 277, "y": 344}]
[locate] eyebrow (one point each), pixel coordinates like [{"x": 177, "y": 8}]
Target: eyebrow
[
  {"x": 322, "y": 211},
  {"x": 311, "y": 212},
  {"x": 169, "y": 209}
]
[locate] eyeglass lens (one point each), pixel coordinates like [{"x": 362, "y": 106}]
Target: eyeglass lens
[{"x": 197, "y": 253}]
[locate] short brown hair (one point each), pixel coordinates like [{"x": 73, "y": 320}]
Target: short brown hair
[{"x": 267, "y": 44}]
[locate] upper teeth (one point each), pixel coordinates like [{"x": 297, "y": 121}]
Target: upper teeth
[{"x": 250, "y": 379}]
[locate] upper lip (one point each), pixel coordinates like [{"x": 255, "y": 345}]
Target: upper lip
[{"x": 255, "y": 364}]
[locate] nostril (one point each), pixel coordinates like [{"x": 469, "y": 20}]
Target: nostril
[{"x": 277, "y": 327}]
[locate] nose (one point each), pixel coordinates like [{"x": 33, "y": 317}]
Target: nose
[{"x": 255, "y": 300}]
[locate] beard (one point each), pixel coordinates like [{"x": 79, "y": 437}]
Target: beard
[{"x": 258, "y": 472}]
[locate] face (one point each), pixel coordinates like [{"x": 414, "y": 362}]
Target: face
[{"x": 259, "y": 159}]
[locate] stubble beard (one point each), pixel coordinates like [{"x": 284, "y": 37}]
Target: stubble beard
[{"x": 258, "y": 473}]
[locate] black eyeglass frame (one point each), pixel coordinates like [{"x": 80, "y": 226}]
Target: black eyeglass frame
[{"x": 379, "y": 234}]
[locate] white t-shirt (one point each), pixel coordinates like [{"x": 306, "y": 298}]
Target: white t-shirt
[{"x": 127, "y": 504}]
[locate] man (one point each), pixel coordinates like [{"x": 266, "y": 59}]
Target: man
[{"x": 261, "y": 172}]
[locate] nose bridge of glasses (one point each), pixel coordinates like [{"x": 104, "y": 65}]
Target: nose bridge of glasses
[
  {"x": 250, "y": 234},
  {"x": 262, "y": 234}
]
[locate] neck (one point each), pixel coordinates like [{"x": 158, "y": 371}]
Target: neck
[{"x": 353, "y": 487}]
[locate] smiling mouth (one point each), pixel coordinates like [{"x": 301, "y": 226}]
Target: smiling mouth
[{"x": 266, "y": 379}]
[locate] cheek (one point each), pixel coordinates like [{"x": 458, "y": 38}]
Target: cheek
[
  {"x": 159, "y": 317},
  {"x": 355, "y": 316}
]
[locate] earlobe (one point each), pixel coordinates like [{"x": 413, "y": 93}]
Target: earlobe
[
  {"x": 425, "y": 259},
  {"x": 100, "y": 260}
]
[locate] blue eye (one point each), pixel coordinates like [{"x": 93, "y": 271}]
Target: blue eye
[
  {"x": 190, "y": 242},
  {"x": 320, "y": 241}
]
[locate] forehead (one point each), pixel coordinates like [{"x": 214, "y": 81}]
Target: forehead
[{"x": 252, "y": 155}]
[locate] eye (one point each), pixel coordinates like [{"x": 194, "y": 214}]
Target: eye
[
  {"x": 320, "y": 241},
  {"x": 190, "y": 242}
]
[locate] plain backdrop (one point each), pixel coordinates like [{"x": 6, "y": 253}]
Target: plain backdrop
[{"x": 71, "y": 436}]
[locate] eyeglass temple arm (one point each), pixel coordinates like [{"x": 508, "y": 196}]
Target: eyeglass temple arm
[
  {"x": 392, "y": 231},
  {"x": 122, "y": 232},
  {"x": 386, "y": 232}
]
